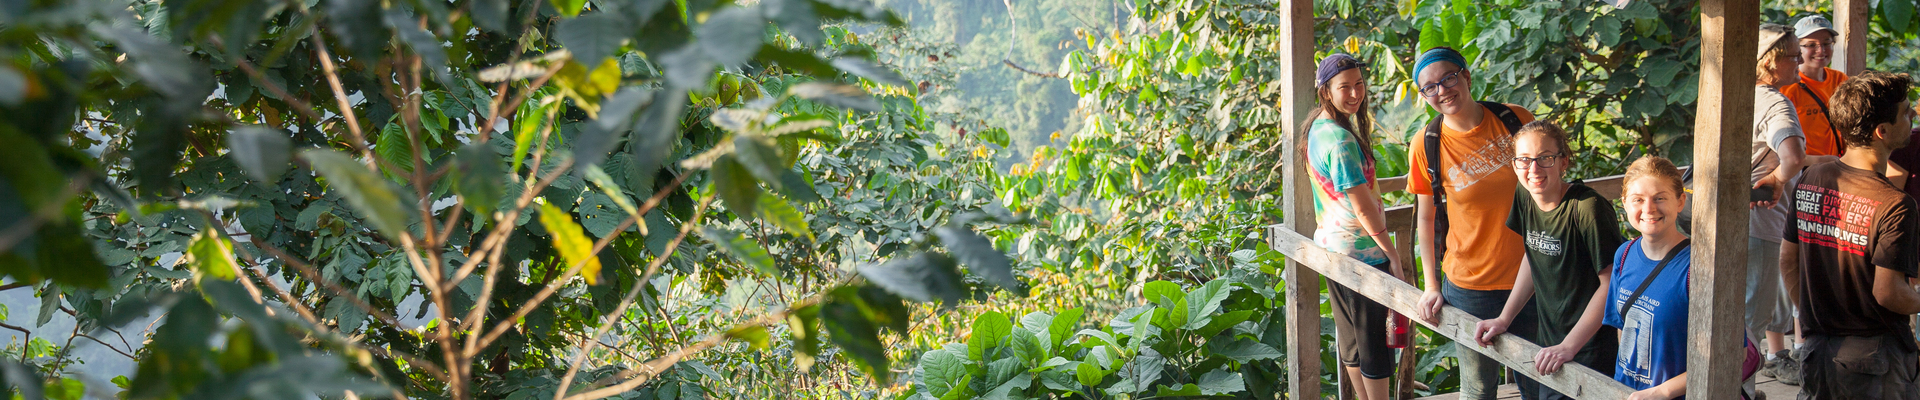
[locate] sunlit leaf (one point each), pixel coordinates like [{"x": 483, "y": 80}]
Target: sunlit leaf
[
  {"x": 921, "y": 277},
  {"x": 735, "y": 185},
  {"x": 743, "y": 249},
  {"x": 755, "y": 336},
  {"x": 988, "y": 332},
  {"x": 212, "y": 256},
  {"x": 569, "y": 8},
  {"x": 372, "y": 197},
  {"x": 776, "y": 211},
  {"x": 574, "y": 246},
  {"x": 843, "y": 96}
]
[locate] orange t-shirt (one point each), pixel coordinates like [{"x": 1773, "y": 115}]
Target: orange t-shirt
[
  {"x": 1821, "y": 139},
  {"x": 1482, "y": 254}
]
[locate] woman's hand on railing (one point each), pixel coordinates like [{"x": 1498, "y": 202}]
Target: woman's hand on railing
[
  {"x": 1485, "y": 331},
  {"x": 1550, "y": 359},
  {"x": 1430, "y": 304}
]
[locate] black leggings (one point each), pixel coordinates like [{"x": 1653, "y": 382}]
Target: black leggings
[{"x": 1363, "y": 331}]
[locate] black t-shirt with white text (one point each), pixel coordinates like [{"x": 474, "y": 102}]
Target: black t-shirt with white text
[
  {"x": 1848, "y": 222},
  {"x": 1568, "y": 249}
]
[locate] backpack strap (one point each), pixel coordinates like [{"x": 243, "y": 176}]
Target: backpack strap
[
  {"x": 1433, "y": 162},
  {"x": 1661, "y": 266},
  {"x": 1823, "y": 106},
  {"x": 1505, "y": 114}
]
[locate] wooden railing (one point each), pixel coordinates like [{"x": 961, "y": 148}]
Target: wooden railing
[{"x": 1513, "y": 351}]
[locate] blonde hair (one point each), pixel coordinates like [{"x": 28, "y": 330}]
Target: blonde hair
[
  {"x": 1654, "y": 167},
  {"x": 1770, "y": 60}
]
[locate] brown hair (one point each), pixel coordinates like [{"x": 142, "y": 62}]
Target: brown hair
[
  {"x": 1864, "y": 102},
  {"x": 1549, "y": 130},
  {"x": 1654, "y": 167},
  {"x": 1359, "y": 124}
]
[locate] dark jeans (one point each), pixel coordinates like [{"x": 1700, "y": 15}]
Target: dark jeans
[
  {"x": 1859, "y": 367},
  {"x": 1479, "y": 374}
]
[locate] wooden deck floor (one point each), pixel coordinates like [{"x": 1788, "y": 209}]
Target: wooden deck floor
[{"x": 1771, "y": 388}]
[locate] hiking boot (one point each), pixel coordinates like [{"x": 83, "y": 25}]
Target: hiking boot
[
  {"x": 1773, "y": 363},
  {"x": 1789, "y": 372}
]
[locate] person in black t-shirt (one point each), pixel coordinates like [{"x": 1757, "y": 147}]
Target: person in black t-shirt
[
  {"x": 1571, "y": 233},
  {"x": 1848, "y": 251}
]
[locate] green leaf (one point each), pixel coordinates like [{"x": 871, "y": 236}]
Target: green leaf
[
  {"x": 873, "y": 72},
  {"x": 372, "y": 197},
  {"x": 261, "y": 151},
  {"x": 921, "y": 277},
  {"x": 735, "y": 185},
  {"x": 574, "y": 246},
  {"x": 490, "y": 15},
  {"x": 612, "y": 189},
  {"x": 942, "y": 371},
  {"x": 1187, "y": 390},
  {"x": 1223, "y": 322},
  {"x": 1660, "y": 71},
  {"x": 857, "y": 337},
  {"x": 1202, "y": 302},
  {"x": 1026, "y": 345},
  {"x": 989, "y": 331},
  {"x": 478, "y": 179},
  {"x": 755, "y": 336},
  {"x": 981, "y": 257},
  {"x": 569, "y": 8},
  {"x": 593, "y": 37},
  {"x": 527, "y": 123},
  {"x": 212, "y": 256},
  {"x": 1607, "y": 29},
  {"x": 1244, "y": 350},
  {"x": 1163, "y": 293},
  {"x": 1898, "y": 14},
  {"x": 1089, "y": 374},
  {"x": 760, "y": 158},
  {"x": 776, "y": 211},
  {"x": 433, "y": 57},
  {"x": 748, "y": 252},
  {"x": 1063, "y": 325},
  {"x": 731, "y": 37},
  {"x": 1221, "y": 382},
  {"x": 843, "y": 96}
]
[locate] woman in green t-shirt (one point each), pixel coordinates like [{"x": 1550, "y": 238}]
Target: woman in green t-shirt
[{"x": 1351, "y": 217}]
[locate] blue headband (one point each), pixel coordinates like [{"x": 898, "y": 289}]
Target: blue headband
[
  {"x": 1438, "y": 54},
  {"x": 1333, "y": 65}
]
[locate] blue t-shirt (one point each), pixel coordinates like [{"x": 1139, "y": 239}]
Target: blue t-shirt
[{"x": 1653, "y": 334}]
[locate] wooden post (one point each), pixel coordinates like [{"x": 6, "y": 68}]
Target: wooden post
[
  {"x": 1850, "y": 17},
  {"x": 1722, "y": 129},
  {"x": 1302, "y": 283}
]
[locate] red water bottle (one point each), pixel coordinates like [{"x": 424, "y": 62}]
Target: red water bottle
[{"x": 1399, "y": 332}]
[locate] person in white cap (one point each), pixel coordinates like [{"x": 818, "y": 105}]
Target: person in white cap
[{"x": 1811, "y": 93}]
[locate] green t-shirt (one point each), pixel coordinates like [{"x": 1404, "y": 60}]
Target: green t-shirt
[{"x": 1569, "y": 248}]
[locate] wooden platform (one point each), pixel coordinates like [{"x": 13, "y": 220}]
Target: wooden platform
[{"x": 1772, "y": 388}]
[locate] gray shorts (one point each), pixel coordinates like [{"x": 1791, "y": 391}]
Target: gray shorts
[{"x": 1767, "y": 309}]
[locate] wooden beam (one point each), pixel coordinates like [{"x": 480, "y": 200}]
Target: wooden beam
[
  {"x": 1302, "y": 284},
  {"x": 1574, "y": 379},
  {"x": 1722, "y": 130},
  {"x": 1851, "y": 17}
]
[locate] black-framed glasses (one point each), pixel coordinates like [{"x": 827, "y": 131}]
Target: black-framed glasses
[
  {"x": 1449, "y": 81},
  {"x": 1543, "y": 161}
]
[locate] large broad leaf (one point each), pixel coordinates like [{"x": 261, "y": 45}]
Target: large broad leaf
[
  {"x": 736, "y": 186},
  {"x": 981, "y": 257},
  {"x": 433, "y": 57},
  {"x": 1063, "y": 325},
  {"x": 920, "y": 277},
  {"x": 1163, "y": 293},
  {"x": 575, "y": 248},
  {"x": 593, "y": 37},
  {"x": 569, "y": 8},
  {"x": 357, "y": 24},
  {"x": 1138, "y": 374},
  {"x": 797, "y": 18},
  {"x": 616, "y": 118},
  {"x": 741, "y": 248},
  {"x": 1244, "y": 350},
  {"x": 731, "y": 36},
  {"x": 212, "y": 256},
  {"x": 1203, "y": 301},
  {"x": 1220, "y": 382},
  {"x": 843, "y": 96},
  {"x": 857, "y": 337},
  {"x": 374, "y": 198},
  {"x": 21, "y": 377},
  {"x": 261, "y": 151},
  {"x": 755, "y": 336},
  {"x": 654, "y": 132},
  {"x": 989, "y": 331},
  {"x": 760, "y": 158},
  {"x": 478, "y": 179},
  {"x": 1898, "y": 14},
  {"x": 776, "y": 211},
  {"x": 942, "y": 371},
  {"x": 1026, "y": 345}
]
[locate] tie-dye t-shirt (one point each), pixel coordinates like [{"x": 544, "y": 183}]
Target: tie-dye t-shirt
[{"x": 1340, "y": 163}]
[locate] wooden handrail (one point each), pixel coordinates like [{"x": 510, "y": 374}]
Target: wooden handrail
[{"x": 1515, "y": 352}]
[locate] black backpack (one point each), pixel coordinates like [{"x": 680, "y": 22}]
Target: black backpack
[{"x": 1440, "y": 225}]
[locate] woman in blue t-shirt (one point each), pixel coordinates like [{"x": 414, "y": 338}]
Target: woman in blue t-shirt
[{"x": 1653, "y": 329}]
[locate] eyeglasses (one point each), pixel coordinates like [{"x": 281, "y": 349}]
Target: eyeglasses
[
  {"x": 1433, "y": 89},
  {"x": 1544, "y": 161}
]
